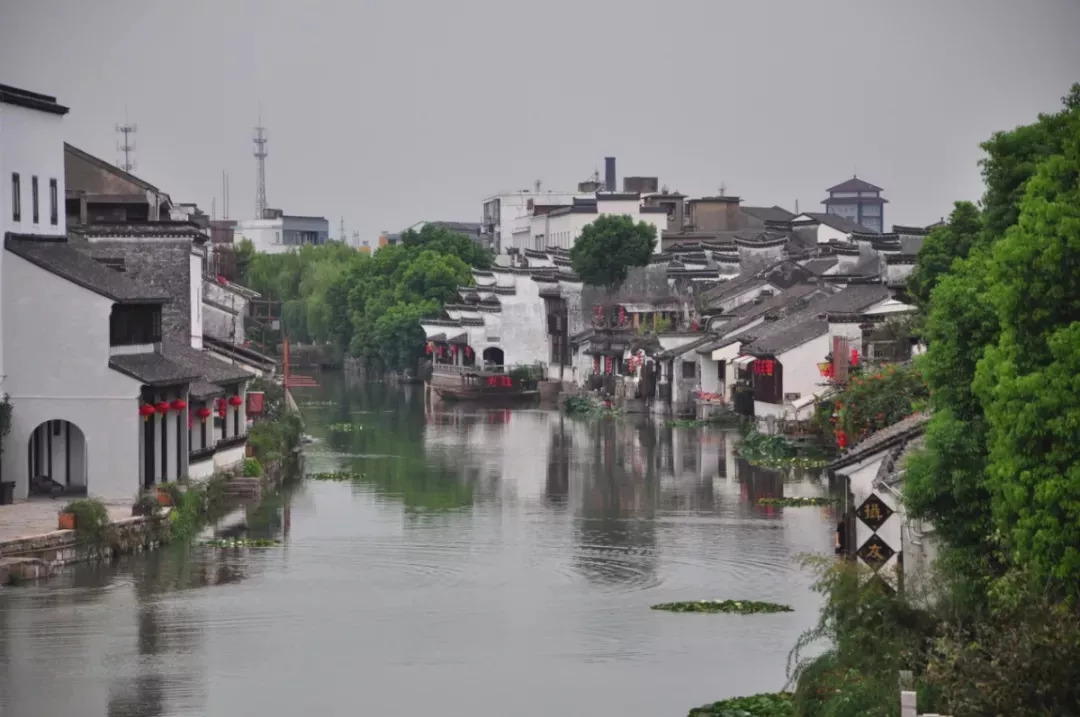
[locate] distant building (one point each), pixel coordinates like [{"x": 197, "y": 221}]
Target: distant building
[
  {"x": 859, "y": 201},
  {"x": 502, "y": 209},
  {"x": 473, "y": 230},
  {"x": 280, "y": 232}
]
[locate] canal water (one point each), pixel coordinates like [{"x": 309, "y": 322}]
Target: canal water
[{"x": 488, "y": 562}]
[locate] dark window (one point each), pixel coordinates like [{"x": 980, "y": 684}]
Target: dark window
[
  {"x": 114, "y": 263},
  {"x": 720, "y": 367},
  {"x": 130, "y": 325},
  {"x": 34, "y": 198},
  {"x": 689, "y": 369},
  {"x": 16, "y": 198},
  {"x": 54, "y": 203}
]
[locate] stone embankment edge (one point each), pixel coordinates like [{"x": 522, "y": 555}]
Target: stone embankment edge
[{"x": 39, "y": 556}]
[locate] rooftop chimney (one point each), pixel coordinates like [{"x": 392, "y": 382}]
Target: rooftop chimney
[{"x": 609, "y": 174}]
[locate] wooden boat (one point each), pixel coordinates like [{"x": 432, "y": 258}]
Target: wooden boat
[{"x": 482, "y": 386}]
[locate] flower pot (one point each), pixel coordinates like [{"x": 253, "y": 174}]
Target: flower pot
[
  {"x": 163, "y": 498},
  {"x": 67, "y": 521}
]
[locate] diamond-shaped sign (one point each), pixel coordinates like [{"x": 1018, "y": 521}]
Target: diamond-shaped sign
[
  {"x": 873, "y": 512},
  {"x": 875, "y": 552}
]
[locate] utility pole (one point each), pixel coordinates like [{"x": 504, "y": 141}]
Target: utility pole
[
  {"x": 126, "y": 145},
  {"x": 260, "y": 140}
]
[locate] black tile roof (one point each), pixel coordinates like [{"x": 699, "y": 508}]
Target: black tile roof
[
  {"x": 769, "y": 214},
  {"x": 177, "y": 230},
  {"x": 153, "y": 369},
  {"x": 203, "y": 365},
  {"x": 838, "y": 222},
  {"x": 687, "y": 347},
  {"x": 58, "y": 257},
  {"x": 31, "y": 100},
  {"x": 855, "y": 185},
  {"x": 200, "y": 390},
  {"x": 887, "y": 437},
  {"x": 796, "y": 329}
]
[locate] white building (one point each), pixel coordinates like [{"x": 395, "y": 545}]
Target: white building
[
  {"x": 284, "y": 232},
  {"x": 502, "y": 210},
  {"x": 561, "y": 227},
  {"x": 99, "y": 402}
]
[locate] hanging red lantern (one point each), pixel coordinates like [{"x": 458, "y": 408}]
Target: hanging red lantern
[
  {"x": 163, "y": 406},
  {"x": 468, "y": 352},
  {"x": 427, "y": 348},
  {"x": 219, "y": 403},
  {"x": 235, "y": 401},
  {"x": 146, "y": 410},
  {"x": 204, "y": 413},
  {"x": 854, "y": 357},
  {"x": 179, "y": 405}
]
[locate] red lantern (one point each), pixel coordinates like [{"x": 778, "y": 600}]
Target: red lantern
[
  {"x": 204, "y": 413},
  {"x": 841, "y": 439},
  {"x": 427, "y": 348},
  {"x": 235, "y": 401},
  {"x": 163, "y": 406},
  {"x": 468, "y": 352},
  {"x": 854, "y": 357},
  {"x": 220, "y": 404},
  {"x": 146, "y": 410},
  {"x": 179, "y": 405}
]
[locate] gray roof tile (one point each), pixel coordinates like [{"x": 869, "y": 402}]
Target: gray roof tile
[
  {"x": 203, "y": 365},
  {"x": 58, "y": 257},
  {"x": 152, "y": 369}
]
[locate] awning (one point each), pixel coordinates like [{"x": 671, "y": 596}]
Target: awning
[
  {"x": 744, "y": 361},
  {"x": 727, "y": 353},
  {"x": 460, "y": 340},
  {"x": 437, "y": 338}
]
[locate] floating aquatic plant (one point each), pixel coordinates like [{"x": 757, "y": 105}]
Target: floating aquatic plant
[
  {"x": 796, "y": 502},
  {"x": 242, "y": 543},
  {"x": 339, "y": 476},
  {"x": 741, "y": 607},
  {"x": 343, "y": 427}
]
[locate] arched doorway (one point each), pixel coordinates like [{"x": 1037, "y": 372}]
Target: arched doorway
[
  {"x": 56, "y": 459},
  {"x": 493, "y": 356}
]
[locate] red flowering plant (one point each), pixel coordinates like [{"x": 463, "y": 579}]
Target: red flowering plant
[{"x": 871, "y": 400}]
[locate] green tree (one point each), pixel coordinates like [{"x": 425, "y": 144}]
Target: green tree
[
  {"x": 432, "y": 237},
  {"x": 609, "y": 247},
  {"x": 1028, "y": 381},
  {"x": 946, "y": 243}
]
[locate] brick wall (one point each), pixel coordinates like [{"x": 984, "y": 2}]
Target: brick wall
[{"x": 161, "y": 263}]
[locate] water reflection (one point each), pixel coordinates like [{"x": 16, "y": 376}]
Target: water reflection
[{"x": 508, "y": 548}]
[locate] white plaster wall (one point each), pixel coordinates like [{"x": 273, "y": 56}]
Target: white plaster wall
[
  {"x": 861, "y": 476},
  {"x": 897, "y": 272},
  {"x": 63, "y": 373},
  {"x": 524, "y": 324},
  {"x": 31, "y": 143},
  {"x": 202, "y": 470},
  {"x": 744, "y": 297},
  {"x": 264, "y": 234},
  {"x": 196, "y": 274},
  {"x": 801, "y": 373},
  {"x": 707, "y": 370},
  {"x": 219, "y": 323},
  {"x": 229, "y": 457}
]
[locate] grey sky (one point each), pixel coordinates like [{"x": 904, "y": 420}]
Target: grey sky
[{"x": 392, "y": 112}]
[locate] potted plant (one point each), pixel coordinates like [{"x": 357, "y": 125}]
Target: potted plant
[
  {"x": 87, "y": 515},
  {"x": 168, "y": 494}
]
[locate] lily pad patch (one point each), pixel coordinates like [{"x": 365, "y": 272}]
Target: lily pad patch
[
  {"x": 339, "y": 476},
  {"x": 795, "y": 502},
  {"x": 242, "y": 543},
  {"x": 741, "y": 607}
]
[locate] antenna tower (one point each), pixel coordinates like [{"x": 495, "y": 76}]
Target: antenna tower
[
  {"x": 344, "y": 236},
  {"x": 126, "y": 144},
  {"x": 259, "y": 138}
]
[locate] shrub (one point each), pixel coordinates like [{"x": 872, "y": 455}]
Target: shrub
[
  {"x": 145, "y": 504},
  {"x": 252, "y": 468},
  {"x": 91, "y": 517}
]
